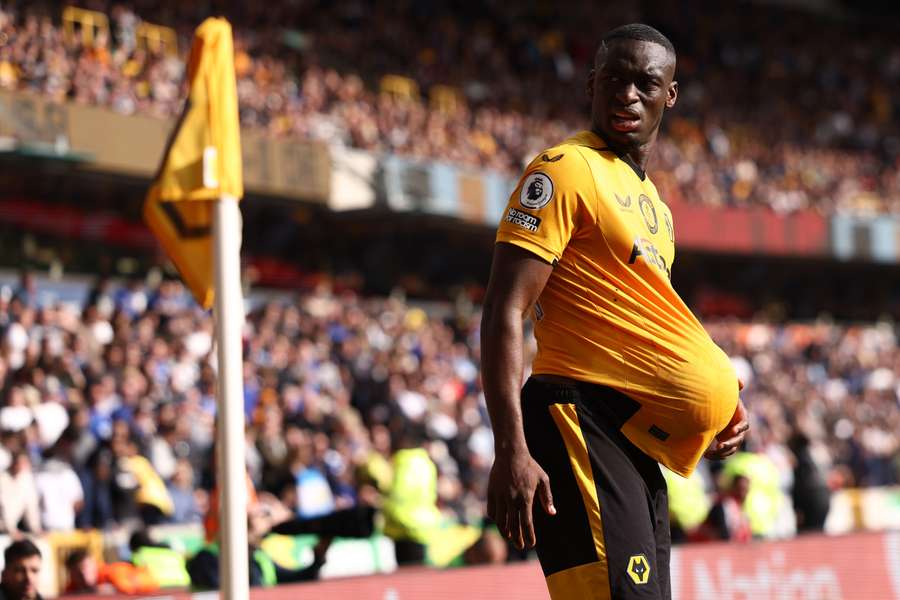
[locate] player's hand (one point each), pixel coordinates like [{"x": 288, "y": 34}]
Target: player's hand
[
  {"x": 515, "y": 478},
  {"x": 730, "y": 439}
]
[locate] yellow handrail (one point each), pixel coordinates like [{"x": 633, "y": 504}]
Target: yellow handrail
[
  {"x": 90, "y": 22},
  {"x": 446, "y": 98},
  {"x": 400, "y": 86},
  {"x": 156, "y": 37}
]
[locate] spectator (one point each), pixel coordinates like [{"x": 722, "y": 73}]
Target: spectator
[
  {"x": 411, "y": 512},
  {"x": 727, "y": 519},
  {"x": 82, "y": 574},
  {"x": 810, "y": 493},
  {"x": 151, "y": 495},
  {"x": 106, "y": 502},
  {"x": 59, "y": 488},
  {"x": 183, "y": 491},
  {"x": 21, "y": 571},
  {"x": 19, "y": 500},
  {"x": 86, "y": 575},
  {"x": 490, "y": 549},
  {"x": 314, "y": 494},
  {"x": 262, "y": 570},
  {"x": 165, "y": 565},
  {"x": 26, "y": 292}
]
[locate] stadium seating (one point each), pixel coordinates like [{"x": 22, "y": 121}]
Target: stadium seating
[{"x": 731, "y": 141}]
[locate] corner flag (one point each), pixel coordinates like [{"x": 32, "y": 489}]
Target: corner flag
[
  {"x": 192, "y": 207},
  {"x": 202, "y": 162}
]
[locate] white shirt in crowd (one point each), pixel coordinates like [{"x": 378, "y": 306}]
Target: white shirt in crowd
[
  {"x": 61, "y": 493},
  {"x": 18, "y": 500}
]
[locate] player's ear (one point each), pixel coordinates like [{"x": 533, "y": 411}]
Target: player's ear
[
  {"x": 671, "y": 94},
  {"x": 590, "y": 85}
]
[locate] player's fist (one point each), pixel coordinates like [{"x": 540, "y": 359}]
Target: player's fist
[
  {"x": 740, "y": 417},
  {"x": 730, "y": 439}
]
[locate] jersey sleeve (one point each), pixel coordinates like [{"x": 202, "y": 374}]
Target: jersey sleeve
[{"x": 554, "y": 197}]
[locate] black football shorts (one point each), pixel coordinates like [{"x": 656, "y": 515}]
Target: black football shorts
[{"x": 610, "y": 537}]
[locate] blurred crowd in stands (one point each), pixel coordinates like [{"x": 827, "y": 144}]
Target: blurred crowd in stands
[
  {"x": 108, "y": 408},
  {"x": 767, "y": 115}
]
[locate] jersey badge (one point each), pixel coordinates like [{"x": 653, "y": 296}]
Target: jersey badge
[
  {"x": 649, "y": 213},
  {"x": 537, "y": 191}
]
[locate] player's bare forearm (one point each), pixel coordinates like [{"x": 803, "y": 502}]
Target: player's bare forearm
[
  {"x": 515, "y": 476},
  {"x": 501, "y": 373},
  {"x": 517, "y": 278}
]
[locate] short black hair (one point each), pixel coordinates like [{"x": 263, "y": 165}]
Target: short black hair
[
  {"x": 74, "y": 559},
  {"x": 636, "y": 31},
  {"x": 19, "y": 550}
]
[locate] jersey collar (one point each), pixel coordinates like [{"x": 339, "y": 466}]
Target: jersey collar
[{"x": 592, "y": 140}]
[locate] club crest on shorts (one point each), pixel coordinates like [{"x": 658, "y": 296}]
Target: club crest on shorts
[
  {"x": 537, "y": 191},
  {"x": 639, "y": 569}
]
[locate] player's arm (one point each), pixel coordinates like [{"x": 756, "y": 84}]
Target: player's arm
[
  {"x": 555, "y": 196},
  {"x": 517, "y": 279}
]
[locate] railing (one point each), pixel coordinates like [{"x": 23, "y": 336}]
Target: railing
[
  {"x": 400, "y": 87},
  {"x": 157, "y": 38},
  {"x": 89, "y": 23}
]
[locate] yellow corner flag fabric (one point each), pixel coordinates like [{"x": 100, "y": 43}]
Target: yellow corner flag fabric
[{"x": 202, "y": 161}]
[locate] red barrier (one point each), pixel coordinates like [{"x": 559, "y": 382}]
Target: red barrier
[
  {"x": 72, "y": 222},
  {"x": 522, "y": 581},
  {"x": 851, "y": 567},
  {"x": 750, "y": 230}
]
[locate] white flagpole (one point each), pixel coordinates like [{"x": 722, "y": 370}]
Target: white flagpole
[{"x": 230, "y": 461}]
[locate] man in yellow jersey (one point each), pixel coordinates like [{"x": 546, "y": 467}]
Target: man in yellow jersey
[{"x": 625, "y": 376}]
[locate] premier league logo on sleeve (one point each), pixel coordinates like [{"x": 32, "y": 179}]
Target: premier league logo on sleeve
[{"x": 537, "y": 191}]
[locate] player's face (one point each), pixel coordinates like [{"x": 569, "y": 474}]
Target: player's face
[{"x": 630, "y": 87}]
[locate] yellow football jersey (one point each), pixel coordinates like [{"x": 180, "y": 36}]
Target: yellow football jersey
[{"x": 608, "y": 314}]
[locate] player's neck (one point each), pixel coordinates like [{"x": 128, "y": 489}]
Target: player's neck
[
  {"x": 638, "y": 155},
  {"x": 641, "y": 154}
]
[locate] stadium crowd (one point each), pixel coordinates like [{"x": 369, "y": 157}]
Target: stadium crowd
[
  {"x": 783, "y": 121},
  {"x": 108, "y": 410}
]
